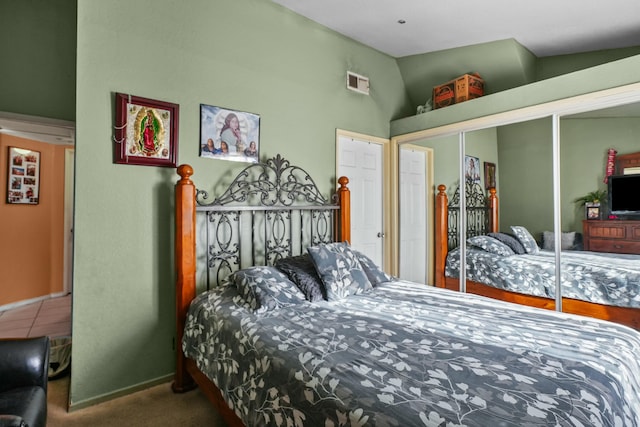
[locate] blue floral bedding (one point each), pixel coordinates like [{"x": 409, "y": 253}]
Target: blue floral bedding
[
  {"x": 603, "y": 278},
  {"x": 404, "y": 354}
]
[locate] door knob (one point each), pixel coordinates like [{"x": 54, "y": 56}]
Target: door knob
[{"x": 380, "y": 234}]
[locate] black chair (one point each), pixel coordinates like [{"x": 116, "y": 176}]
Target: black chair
[{"x": 24, "y": 367}]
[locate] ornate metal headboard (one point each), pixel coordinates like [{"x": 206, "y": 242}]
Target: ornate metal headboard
[
  {"x": 478, "y": 213},
  {"x": 269, "y": 211}
]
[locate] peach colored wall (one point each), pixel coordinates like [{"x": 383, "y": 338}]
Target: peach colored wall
[{"x": 31, "y": 236}]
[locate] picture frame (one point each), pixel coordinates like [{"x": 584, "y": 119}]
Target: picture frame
[
  {"x": 489, "y": 175},
  {"x": 23, "y": 181},
  {"x": 472, "y": 168},
  {"x": 146, "y": 131},
  {"x": 229, "y": 134},
  {"x": 592, "y": 210}
]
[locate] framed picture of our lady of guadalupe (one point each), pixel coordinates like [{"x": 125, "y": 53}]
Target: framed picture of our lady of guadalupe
[{"x": 146, "y": 131}]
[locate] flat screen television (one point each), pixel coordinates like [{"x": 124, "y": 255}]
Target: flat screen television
[{"x": 624, "y": 196}]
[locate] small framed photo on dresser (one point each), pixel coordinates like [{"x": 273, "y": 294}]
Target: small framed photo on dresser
[{"x": 592, "y": 210}]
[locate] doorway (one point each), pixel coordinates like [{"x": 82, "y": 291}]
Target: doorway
[
  {"x": 69, "y": 181},
  {"x": 415, "y": 262},
  {"x": 55, "y": 140},
  {"x": 364, "y": 160}
]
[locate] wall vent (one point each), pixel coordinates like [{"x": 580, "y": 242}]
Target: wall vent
[{"x": 357, "y": 83}]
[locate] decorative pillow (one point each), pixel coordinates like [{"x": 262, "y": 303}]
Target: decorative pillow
[
  {"x": 340, "y": 270},
  {"x": 567, "y": 240},
  {"x": 301, "y": 270},
  {"x": 266, "y": 288},
  {"x": 578, "y": 243},
  {"x": 527, "y": 240},
  {"x": 490, "y": 244},
  {"x": 373, "y": 272},
  {"x": 510, "y": 241}
]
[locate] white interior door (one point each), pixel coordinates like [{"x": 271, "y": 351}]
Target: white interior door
[
  {"x": 361, "y": 162},
  {"x": 413, "y": 264}
]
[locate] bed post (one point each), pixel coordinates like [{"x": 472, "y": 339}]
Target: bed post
[
  {"x": 441, "y": 234},
  {"x": 185, "y": 253},
  {"x": 343, "y": 220},
  {"x": 494, "y": 225}
]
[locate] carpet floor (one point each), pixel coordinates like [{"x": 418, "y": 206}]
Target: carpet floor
[{"x": 155, "y": 406}]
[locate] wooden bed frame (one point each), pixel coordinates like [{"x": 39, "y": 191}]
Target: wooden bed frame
[
  {"x": 187, "y": 375},
  {"x": 624, "y": 315}
]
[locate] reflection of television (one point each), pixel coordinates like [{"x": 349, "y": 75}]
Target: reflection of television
[{"x": 624, "y": 196}]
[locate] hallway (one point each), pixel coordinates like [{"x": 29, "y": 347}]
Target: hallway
[{"x": 51, "y": 317}]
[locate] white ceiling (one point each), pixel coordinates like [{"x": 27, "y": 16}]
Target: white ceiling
[{"x": 545, "y": 27}]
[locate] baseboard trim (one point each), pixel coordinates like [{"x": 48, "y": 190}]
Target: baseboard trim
[
  {"x": 74, "y": 406},
  {"x": 21, "y": 303}
]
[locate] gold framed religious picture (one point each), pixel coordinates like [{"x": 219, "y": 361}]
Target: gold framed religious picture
[
  {"x": 489, "y": 175},
  {"x": 23, "y": 180},
  {"x": 229, "y": 134},
  {"x": 146, "y": 131}
]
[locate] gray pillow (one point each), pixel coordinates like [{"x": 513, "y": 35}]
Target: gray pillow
[
  {"x": 374, "y": 273},
  {"x": 527, "y": 240},
  {"x": 266, "y": 288},
  {"x": 510, "y": 241},
  {"x": 340, "y": 270},
  {"x": 491, "y": 245},
  {"x": 567, "y": 240},
  {"x": 302, "y": 271}
]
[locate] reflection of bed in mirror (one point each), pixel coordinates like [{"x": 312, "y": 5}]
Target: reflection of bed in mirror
[
  {"x": 512, "y": 267},
  {"x": 389, "y": 353}
]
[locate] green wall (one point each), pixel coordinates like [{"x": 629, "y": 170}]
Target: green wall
[
  {"x": 248, "y": 55},
  {"x": 523, "y": 153},
  {"x": 553, "y": 66},
  {"x": 525, "y": 164},
  {"x": 525, "y": 167},
  {"x": 583, "y": 157},
  {"x": 502, "y": 64},
  {"x": 482, "y": 144},
  {"x": 606, "y": 76},
  {"x": 38, "y": 45}
]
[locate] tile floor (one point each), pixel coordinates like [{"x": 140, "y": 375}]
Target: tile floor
[{"x": 51, "y": 317}]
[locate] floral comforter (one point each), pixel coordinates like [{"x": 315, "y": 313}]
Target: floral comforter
[
  {"x": 406, "y": 354},
  {"x": 603, "y": 278}
]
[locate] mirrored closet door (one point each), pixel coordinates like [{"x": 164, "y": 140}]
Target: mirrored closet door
[{"x": 541, "y": 166}]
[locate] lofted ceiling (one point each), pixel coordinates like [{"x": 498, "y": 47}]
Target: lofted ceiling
[{"x": 545, "y": 27}]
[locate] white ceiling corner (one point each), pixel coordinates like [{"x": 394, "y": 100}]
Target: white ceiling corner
[{"x": 545, "y": 27}]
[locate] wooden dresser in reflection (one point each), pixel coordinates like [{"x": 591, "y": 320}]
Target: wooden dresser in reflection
[{"x": 616, "y": 236}]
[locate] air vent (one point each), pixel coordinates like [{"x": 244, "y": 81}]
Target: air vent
[{"x": 357, "y": 83}]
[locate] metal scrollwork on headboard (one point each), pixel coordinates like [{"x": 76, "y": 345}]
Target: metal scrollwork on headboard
[
  {"x": 274, "y": 183},
  {"x": 269, "y": 211},
  {"x": 477, "y": 209}
]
